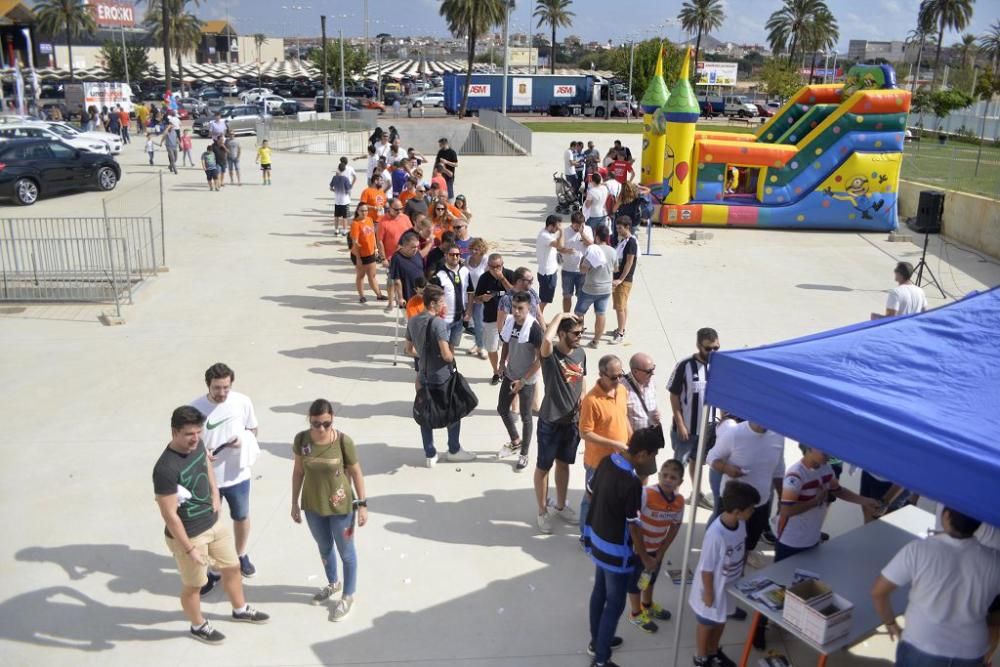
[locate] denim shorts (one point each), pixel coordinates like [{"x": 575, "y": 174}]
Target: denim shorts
[
  {"x": 547, "y": 286},
  {"x": 709, "y": 623},
  {"x": 684, "y": 450},
  {"x": 598, "y": 301},
  {"x": 234, "y": 165},
  {"x": 556, "y": 441},
  {"x": 238, "y": 498},
  {"x": 572, "y": 283}
]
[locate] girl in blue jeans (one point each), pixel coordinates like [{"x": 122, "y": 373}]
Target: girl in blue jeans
[{"x": 325, "y": 479}]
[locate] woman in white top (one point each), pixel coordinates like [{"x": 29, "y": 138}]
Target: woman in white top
[
  {"x": 477, "y": 263},
  {"x": 906, "y": 298}
]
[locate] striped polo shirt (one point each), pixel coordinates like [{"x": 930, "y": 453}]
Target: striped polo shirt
[{"x": 660, "y": 511}]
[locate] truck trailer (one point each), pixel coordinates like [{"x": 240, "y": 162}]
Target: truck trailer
[
  {"x": 98, "y": 94},
  {"x": 555, "y": 94}
]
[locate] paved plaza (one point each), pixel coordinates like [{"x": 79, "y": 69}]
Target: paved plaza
[{"x": 452, "y": 569}]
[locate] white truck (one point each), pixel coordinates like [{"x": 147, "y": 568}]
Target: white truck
[{"x": 98, "y": 94}]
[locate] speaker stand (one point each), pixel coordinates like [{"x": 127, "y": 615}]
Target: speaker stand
[{"x": 922, "y": 266}]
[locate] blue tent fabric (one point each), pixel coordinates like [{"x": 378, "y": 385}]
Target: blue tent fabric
[{"x": 915, "y": 399}]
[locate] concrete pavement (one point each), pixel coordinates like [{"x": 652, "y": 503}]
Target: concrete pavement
[{"x": 452, "y": 569}]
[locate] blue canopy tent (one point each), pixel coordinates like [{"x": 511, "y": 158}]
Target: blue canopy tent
[{"x": 915, "y": 399}]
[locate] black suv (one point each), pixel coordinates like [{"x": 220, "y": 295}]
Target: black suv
[{"x": 30, "y": 168}]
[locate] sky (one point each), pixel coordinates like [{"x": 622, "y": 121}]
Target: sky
[{"x": 596, "y": 20}]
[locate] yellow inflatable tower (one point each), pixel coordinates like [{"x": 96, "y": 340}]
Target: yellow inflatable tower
[
  {"x": 681, "y": 115},
  {"x": 653, "y": 137}
]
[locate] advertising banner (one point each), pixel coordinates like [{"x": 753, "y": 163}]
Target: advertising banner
[
  {"x": 717, "y": 74},
  {"x": 564, "y": 90},
  {"x": 522, "y": 92},
  {"x": 113, "y": 13},
  {"x": 479, "y": 90}
]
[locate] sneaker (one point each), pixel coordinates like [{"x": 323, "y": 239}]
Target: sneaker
[
  {"x": 641, "y": 621},
  {"x": 481, "y": 353},
  {"x": 461, "y": 456},
  {"x": 327, "y": 592},
  {"x": 656, "y": 611},
  {"x": 206, "y": 633},
  {"x": 724, "y": 659},
  {"x": 767, "y": 537},
  {"x": 567, "y": 514},
  {"x": 617, "y": 337},
  {"x": 247, "y": 568},
  {"x": 545, "y": 523},
  {"x": 756, "y": 560},
  {"x": 431, "y": 461},
  {"x": 522, "y": 463},
  {"x": 738, "y": 615},
  {"x": 705, "y": 502},
  {"x": 508, "y": 449},
  {"x": 342, "y": 609},
  {"x": 362, "y": 299},
  {"x": 251, "y": 615},
  {"x": 615, "y": 643},
  {"x": 707, "y": 661},
  {"x": 213, "y": 579},
  {"x": 495, "y": 380},
  {"x": 609, "y": 663}
]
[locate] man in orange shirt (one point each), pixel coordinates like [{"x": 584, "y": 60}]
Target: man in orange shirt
[
  {"x": 125, "y": 121},
  {"x": 390, "y": 228},
  {"x": 439, "y": 179},
  {"x": 374, "y": 197},
  {"x": 604, "y": 424}
]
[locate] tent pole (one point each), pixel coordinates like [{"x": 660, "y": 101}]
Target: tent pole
[{"x": 689, "y": 538}]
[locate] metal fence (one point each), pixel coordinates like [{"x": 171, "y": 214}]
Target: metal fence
[
  {"x": 514, "y": 137},
  {"x": 141, "y": 199},
  {"x": 319, "y": 133}
]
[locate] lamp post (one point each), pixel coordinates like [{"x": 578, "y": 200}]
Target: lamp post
[
  {"x": 506, "y": 52},
  {"x": 326, "y": 83},
  {"x": 631, "y": 67}
]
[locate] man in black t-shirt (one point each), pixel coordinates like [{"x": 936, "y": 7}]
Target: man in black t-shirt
[
  {"x": 447, "y": 159},
  {"x": 492, "y": 285},
  {"x": 188, "y": 498},
  {"x": 406, "y": 266},
  {"x": 621, "y": 286}
]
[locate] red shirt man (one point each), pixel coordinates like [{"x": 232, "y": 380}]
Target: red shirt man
[
  {"x": 390, "y": 227},
  {"x": 621, "y": 170}
]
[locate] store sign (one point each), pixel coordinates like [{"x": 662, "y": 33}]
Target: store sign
[
  {"x": 113, "y": 13},
  {"x": 563, "y": 91},
  {"x": 45, "y": 48},
  {"x": 717, "y": 74},
  {"x": 479, "y": 90}
]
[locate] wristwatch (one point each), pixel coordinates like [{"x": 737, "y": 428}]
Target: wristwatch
[{"x": 361, "y": 503}]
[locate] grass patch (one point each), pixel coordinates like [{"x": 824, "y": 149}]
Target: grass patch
[
  {"x": 953, "y": 166},
  {"x": 618, "y": 127}
]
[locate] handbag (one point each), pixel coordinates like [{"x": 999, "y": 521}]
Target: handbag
[{"x": 440, "y": 405}]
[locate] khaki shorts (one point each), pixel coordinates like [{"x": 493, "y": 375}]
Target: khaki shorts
[
  {"x": 491, "y": 336},
  {"x": 217, "y": 546},
  {"x": 619, "y": 297}
]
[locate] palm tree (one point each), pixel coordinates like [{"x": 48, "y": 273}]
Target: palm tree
[
  {"x": 951, "y": 14},
  {"x": 785, "y": 27},
  {"x": 68, "y": 16},
  {"x": 966, "y": 50},
  {"x": 820, "y": 34},
  {"x": 470, "y": 19},
  {"x": 259, "y": 40},
  {"x": 556, "y": 13},
  {"x": 989, "y": 44},
  {"x": 919, "y": 35},
  {"x": 184, "y": 30},
  {"x": 701, "y": 16}
]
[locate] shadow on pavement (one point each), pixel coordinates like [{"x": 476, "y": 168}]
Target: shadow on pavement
[{"x": 376, "y": 458}]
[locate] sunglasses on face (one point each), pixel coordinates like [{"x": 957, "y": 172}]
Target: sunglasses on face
[
  {"x": 646, "y": 370},
  {"x": 576, "y": 333},
  {"x": 454, "y": 254},
  {"x": 439, "y": 208},
  {"x": 321, "y": 425},
  {"x": 710, "y": 348}
]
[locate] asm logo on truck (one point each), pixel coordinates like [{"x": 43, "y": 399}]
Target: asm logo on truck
[
  {"x": 479, "y": 90},
  {"x": 563, "y": 91}
]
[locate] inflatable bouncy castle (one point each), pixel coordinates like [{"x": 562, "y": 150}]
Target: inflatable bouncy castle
[{"x": 828, "y": 159}]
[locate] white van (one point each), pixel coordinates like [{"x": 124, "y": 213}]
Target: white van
[
  {"x": 739, "y": 105},
  {"x": 98, "y": 94}
]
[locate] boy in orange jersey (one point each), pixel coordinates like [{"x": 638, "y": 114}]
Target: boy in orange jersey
[{"x": 661, "y": 515}]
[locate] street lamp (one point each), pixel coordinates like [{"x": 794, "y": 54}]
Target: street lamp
[{"x": 506, "y": 52}]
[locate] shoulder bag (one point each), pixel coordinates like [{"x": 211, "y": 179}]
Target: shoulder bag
[{"x": 440, "y": 405}]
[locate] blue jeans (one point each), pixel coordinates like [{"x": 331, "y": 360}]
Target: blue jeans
[
  {"x": 588, "y": 474},
  {"x": 607, "y": 602},
  {"x": 909, "y": 656},
  {"x": 594, "y": 223},
  {"x": 477, "y": 323},
  {"x": 336, "y": 530},
  {"x": 427, "y": 434}
]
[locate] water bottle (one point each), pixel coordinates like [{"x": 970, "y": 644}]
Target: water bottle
[{"x": 644, "y": 580}]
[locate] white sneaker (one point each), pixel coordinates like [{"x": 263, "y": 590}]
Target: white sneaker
[
  {"x": 567, "y": 514},
  {"x": 522, "y": 463},
  {"x": 481, "y": 354},
  {"x": 508, "y": 449},
  {"x": 474, "y": 351},
  {"x": 545, "y": 523},
  {"x": 431, "y": 461},
  {"x": 617, "y": 338},
  {"x": 461, "y": 456},
  {"x": 756, "y": 560}
]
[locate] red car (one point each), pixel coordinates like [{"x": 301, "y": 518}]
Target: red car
[
  {"x": 763, "y": 111},
  {"x": 368, "y": 103},
  {"x": 183, "y": 113}
]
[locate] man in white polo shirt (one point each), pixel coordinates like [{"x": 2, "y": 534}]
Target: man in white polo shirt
[{"x": 953, "y": 580}]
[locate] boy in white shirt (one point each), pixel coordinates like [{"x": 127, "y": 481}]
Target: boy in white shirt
[{"x": 721, "y": 562}]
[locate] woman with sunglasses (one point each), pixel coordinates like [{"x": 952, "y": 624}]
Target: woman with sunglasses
[
  {"x": 463, "y": 207},
  {"x": 362, "y": 244},
  {"x": 328, "y": 486}
]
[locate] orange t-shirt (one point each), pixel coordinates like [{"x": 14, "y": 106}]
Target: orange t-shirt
[
  {"x": 606, "y": 416},
  {"x": 442, "y": 184},
  {"x": 123, "y": 118},
  {"x": 389, "y": 231},
  {"x": 374, "y": 199},
  {"x": 406, "y": 196},
  {"x": 363, "y": 237},
  {"x": 414, "y": 306}
]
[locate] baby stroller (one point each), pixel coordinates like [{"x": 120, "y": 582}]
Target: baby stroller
[{"x": 566, "y": 197}]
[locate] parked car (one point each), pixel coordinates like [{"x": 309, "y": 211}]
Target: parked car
[
  {"x": 369, "y": 103},
  {"x": 229, "y": 89},
  {"x": 252, "y": 95},
  {"x": 35, "y": 130},
  {"x": 336, "y": 103},
  {"x": 290, "y": 108},
  {"x": 763, "y": 111},
  {"x": 191, "y": 104},
  {"x": 739, "y": 105},
  {"x": 284, "y": 90},
  {"x": 241, "y": 119},
  {"x": 210, "y": 94},
  {"x": 273, "y": 102},
  {"x": 357, "y": 91},
  {"x": 65, "y": 130},
  {"x": 428, "y": 99},
  {"x": 30, "y": 168},
  {"x": 304, "y": 89}
]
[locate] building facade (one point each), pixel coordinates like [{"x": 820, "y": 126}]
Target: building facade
[{"x": 863, "y": 50}]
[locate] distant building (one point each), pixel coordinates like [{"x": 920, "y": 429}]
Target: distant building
[{"x": 862, "y": 50}]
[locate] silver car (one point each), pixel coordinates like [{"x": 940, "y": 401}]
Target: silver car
[{"x": 241, "y": 119}]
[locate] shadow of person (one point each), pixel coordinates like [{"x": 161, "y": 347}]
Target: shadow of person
[
  {"x": 376, "y": 458},
  {"x": 63, "y": 617}
]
